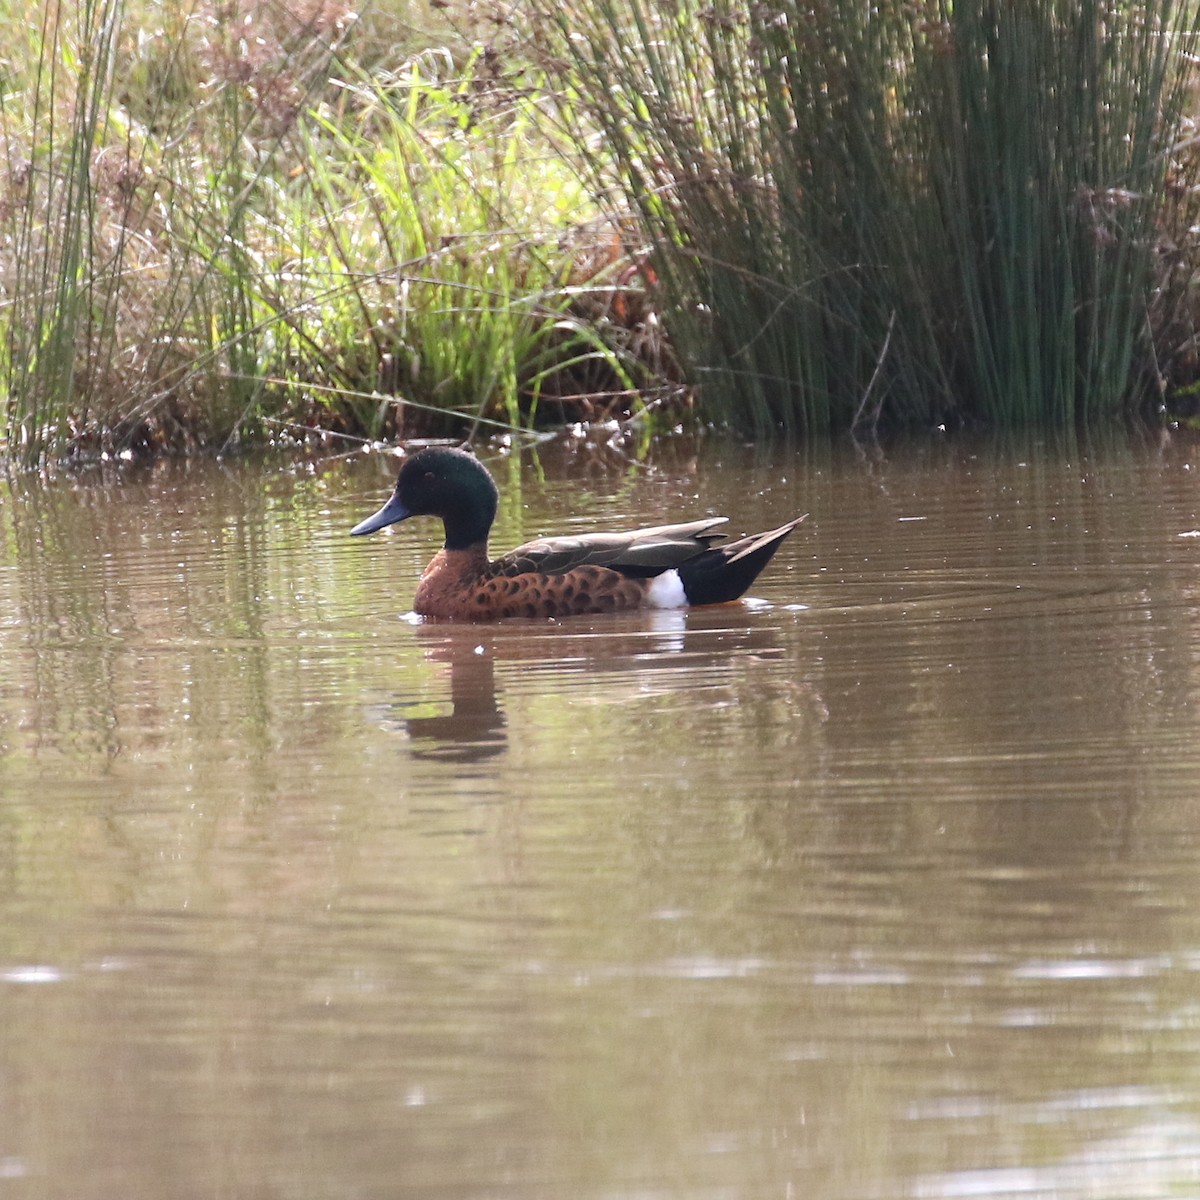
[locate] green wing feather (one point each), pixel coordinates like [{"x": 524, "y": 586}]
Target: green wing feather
[{"x": 641, "y": 552}]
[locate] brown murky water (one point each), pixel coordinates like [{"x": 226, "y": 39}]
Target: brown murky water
[{"x": 885, "y": 885}]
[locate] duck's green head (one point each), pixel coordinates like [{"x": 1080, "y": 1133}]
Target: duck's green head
[{"x": 446, "y": 483}]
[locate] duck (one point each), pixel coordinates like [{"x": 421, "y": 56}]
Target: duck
[{"x": 667, "y": 566}]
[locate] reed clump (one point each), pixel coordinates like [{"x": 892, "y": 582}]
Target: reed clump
[
  {"x": 912, "y": 212},
  {"x": 233, "y": 217}
]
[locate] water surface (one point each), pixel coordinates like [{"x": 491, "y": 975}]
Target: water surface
[{"x": 886, "y": 884}]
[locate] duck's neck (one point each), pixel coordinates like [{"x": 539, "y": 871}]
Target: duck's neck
[
  {"x": 469, "y": 512},
  {"x": 466, "y": 530}
]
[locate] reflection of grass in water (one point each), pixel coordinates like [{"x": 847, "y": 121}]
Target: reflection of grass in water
[
  {"x": 913, "y": 212},
  {"x": 235, "y": 213}
]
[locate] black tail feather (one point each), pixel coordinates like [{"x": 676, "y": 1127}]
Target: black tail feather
[{"x": 723, "y": 573}]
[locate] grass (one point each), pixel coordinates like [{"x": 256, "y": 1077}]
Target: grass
[
  {"x": 908, "y": 213},
  {"x": 235, "y": 217},
  {"x": 426, "y": 176},
  {"x": 231, "y": 218}
]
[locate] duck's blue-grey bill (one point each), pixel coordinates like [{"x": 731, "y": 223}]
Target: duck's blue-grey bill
[{"x": 389, "y": 514}]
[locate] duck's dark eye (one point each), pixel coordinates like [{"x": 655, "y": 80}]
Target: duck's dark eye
[{"x": 429, "y": 477}]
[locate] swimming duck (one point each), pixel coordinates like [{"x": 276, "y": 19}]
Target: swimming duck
[{"x": 670, "y": 566}]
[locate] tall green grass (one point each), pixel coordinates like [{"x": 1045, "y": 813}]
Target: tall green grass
[
  {"x": 138, "y": 144},
  {"x": 51, "y": 210},
  {"x": 448, "y": 270},
  {"x": 905, "y": 212},
  {"x": 226, "y": 217}
]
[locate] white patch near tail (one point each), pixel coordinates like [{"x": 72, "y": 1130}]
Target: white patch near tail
[{"x": 666, "y": 591}]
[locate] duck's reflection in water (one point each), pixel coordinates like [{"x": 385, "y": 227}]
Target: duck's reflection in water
[
  {"x": 468, "y": 725},
  {"x": 654, "y": 651}
]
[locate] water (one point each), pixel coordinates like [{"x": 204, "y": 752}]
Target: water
[{"x": 885, "y": 885}]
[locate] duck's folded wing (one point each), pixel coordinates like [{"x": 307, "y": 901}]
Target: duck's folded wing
[{"x": 640, "y": 553}]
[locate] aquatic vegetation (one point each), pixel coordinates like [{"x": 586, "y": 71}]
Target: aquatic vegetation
[
  {"x": 232, "y": 218},
  {"x": 136, "y": 145},
  {"x": 220, "y": 220},
  {"x": 908, "y": 212}
]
